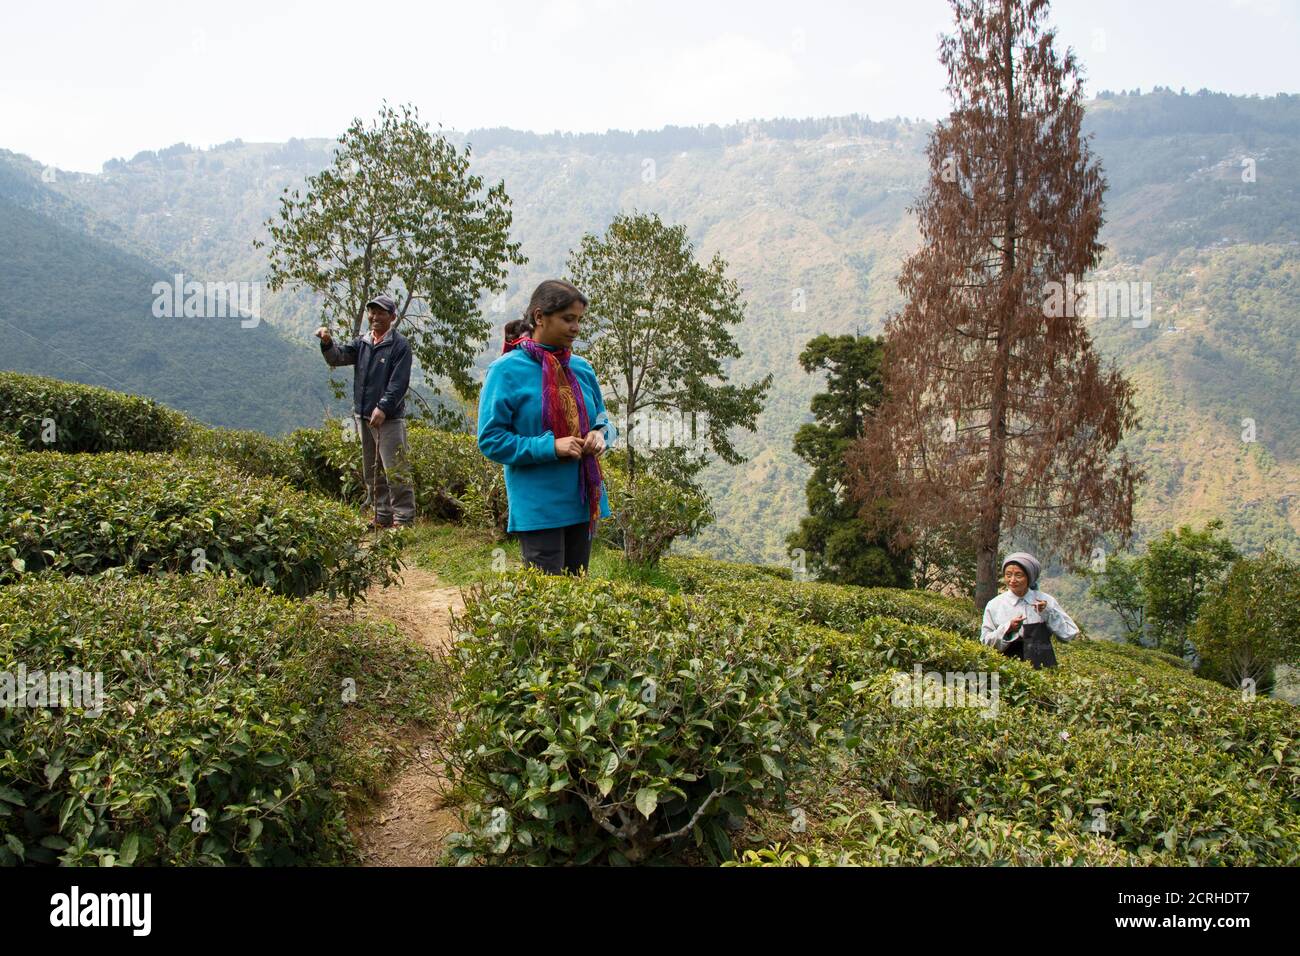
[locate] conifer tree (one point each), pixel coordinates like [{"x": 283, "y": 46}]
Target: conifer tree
[{"x": 1000, "y": 415}]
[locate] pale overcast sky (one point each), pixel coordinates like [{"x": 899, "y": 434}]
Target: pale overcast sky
[{"x": 83, "y": 82}]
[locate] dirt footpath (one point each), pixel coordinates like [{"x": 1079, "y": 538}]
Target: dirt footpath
[{"x": 408, "y": 823}]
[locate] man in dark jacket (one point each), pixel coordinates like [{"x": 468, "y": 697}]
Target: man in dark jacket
[{"x": 382, "y": 360}]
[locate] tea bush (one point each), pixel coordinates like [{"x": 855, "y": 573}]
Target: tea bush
[
  {"x": 328, "y": 462},
  {"x": 877, "y": 833},
  {"x": 1183, "y": 771},
  {"x": 1118, "y": 757},
  {"x": 839, "y": 606},
  {"x": 1097, "y": 684},
  {"x": 843, "y": 607},
  {"x": 1154, "y": 792},
  {"x": 454, "y": 481},
  {"x": 81, "y": 514},
  {"x": 694, "y": 573},
  {"x": 645, "y": 521},
  {"x": 216, "y": 732},
  {"x": 316, "y": 460},
  {"x": 600, "y": 723},
  {"x": 84, "y": 417},
  {"x": 1261, "y": 736},
  {"x": 252, "y": 452},
  {"x": 1148, "y": 655}
]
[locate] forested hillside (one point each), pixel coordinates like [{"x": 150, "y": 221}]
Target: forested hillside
[
  {"x": 812, "y": 217},
  {"x": 78, "y": 307}
]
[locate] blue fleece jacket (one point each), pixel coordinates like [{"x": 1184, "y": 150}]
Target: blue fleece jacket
[{"x": 542, "y": 490}]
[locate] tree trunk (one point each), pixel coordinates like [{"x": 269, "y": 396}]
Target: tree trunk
[
  {"x": 365, "y": 279},
  {"x": 631, "y": 427},
  {"x": 990, "y": 529}
]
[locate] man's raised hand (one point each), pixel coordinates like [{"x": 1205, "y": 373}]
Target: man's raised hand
[{"x": 323, "y": 333}]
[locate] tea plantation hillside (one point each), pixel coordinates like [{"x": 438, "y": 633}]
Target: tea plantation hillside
[
  {"x": 731, "y": 715},
  {"x": 250, "y": 698}
]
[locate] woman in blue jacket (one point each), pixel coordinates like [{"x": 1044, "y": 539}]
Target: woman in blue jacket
[{"x": 541, "y": 415}]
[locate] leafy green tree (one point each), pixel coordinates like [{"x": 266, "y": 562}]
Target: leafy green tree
[
  {"x": 1250, "y": 622},
  {"x": 662, "y": 508},
  {"x": 1178, "y": 568},
  {"x": 399, "y": 211},
  {"x": 659, "y": 329},
  {"x": 836, "y": 542},
  {"x": 943, "y": 559},
  {"x": 1119, "y": 586}
]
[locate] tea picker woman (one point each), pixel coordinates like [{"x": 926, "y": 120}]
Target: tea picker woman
[
  {"x": 541, "y": 415},
  {"x": 1021, "y": 620}
]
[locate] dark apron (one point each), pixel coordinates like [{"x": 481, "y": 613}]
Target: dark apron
[{"x": 1034, "y": 646}]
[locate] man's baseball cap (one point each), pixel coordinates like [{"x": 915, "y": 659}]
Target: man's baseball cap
[{"x": 385, "y": 302}]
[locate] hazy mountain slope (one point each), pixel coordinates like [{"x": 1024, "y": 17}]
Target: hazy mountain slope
[{"x": 77, "y": 308}]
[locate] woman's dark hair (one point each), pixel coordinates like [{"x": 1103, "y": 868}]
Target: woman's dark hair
[{"x": 553, "y": 295}]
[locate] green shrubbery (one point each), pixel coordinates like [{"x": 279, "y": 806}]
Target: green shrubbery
[
  {"x": 1117, "y": 757},
  {"x": 220, "y": 738},
  {"x": 1151, "y": 791},
  {"x": 75, "y": 417},
  {"x": 888, "y": 834},
  {"x": 1149, "y": 655},
  {"x": 215, "y": 733},
  {"x": 317, "y": 460},
  {"x": 838, "y": 606},
  {"x": 601, "y": 724},
  {"x": 326, "y": 460},
  {"x": 646, "y": 520},
  {"x": 148, "y": 513},
  {"x": 453, "y": 481},
  {"x": 693, "y": 572},
  {"x": 253, "y": 452}
]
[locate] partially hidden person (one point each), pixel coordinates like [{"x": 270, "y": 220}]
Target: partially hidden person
[{"x": 515, "y": 331}]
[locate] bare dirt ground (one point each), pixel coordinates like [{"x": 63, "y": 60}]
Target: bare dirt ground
[{"x": 408, "y": 824}]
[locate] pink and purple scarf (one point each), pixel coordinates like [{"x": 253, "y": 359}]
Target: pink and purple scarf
[{"x": 564, "y": 413}]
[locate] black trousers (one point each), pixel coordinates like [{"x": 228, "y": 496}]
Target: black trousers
[{"x": 557, "y": 550}]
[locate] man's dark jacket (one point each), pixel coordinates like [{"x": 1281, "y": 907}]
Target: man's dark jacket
[{"x": 382, "y": 372}]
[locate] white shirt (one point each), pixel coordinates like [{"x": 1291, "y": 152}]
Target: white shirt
[{"x": 999, "y": 612}]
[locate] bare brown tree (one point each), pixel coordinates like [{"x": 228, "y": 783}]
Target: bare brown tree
[{"x": 998, "y": 410}]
